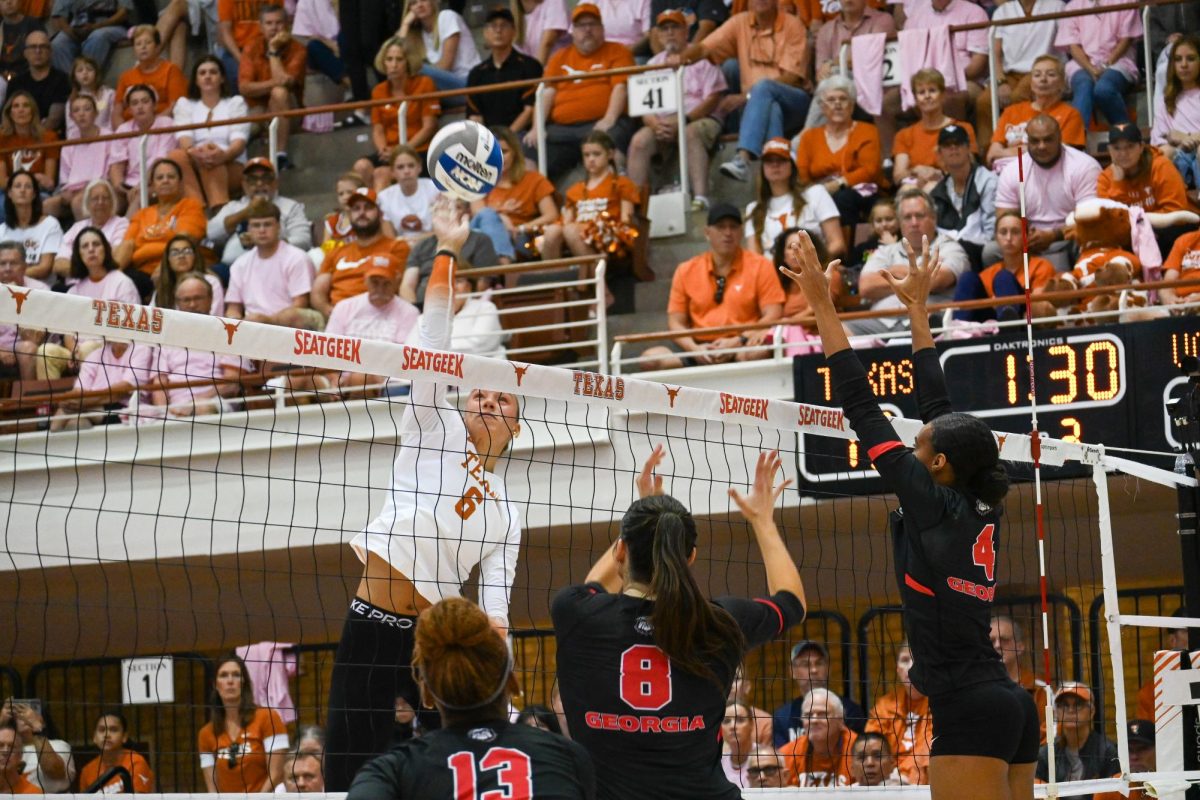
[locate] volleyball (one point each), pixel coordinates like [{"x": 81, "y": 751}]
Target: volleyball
[{"x": 465, "y": 160}]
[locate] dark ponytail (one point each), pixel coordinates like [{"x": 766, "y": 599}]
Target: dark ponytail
[
  {"x": 970, "y": 447},
  {"x": 660, "y": 535}
]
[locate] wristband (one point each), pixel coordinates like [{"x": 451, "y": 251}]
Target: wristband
[{"x": 448, "y": 253}]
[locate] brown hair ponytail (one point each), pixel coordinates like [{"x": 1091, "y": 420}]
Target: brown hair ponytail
[{"x": 462, "y": 663}]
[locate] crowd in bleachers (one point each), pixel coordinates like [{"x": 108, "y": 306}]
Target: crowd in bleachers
[
  {"x": 818, "y": 738},
  {"x": 865, "y": 148}
]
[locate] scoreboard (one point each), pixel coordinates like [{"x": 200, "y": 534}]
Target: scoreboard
[{"x": 1102, "y": 385}]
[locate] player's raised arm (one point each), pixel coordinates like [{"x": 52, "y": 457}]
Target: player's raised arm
[
  {"x": 606, "y": 571},
  {"x": 759, "y": 510},
  {"x": 913, "y": 290},
  {"x": 451, "y": 229}
]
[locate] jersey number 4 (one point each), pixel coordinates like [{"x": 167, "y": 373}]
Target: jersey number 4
[
  {"x": 645, "y": 677},
  {"x": 514, "y": 779},
  {"x": 983, "y": 553}
]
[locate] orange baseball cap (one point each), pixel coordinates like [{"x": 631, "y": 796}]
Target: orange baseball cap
[
  {"x": 385, "y": 266},
  {"x": 586, "y": 8},
  {"x": 1080, "y": 690},
  {"x": 366, "y": 192},
  {"x": 777, "y": 146},
  {"x": 259, "y": 163},
  {"x": 674, "y": 15}
]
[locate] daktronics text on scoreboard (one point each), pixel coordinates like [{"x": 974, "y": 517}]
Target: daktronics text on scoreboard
[{"x": 1104, "y": 385}]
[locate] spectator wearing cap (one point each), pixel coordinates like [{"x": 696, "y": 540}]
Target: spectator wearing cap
[
  {"x": 727, "y": 285},
  {"x": 576, "y": 108},
  {"x": 228, "y": 229},
  {"x": 93, "y": 27},
  {"x": 902, "y": 716},
  {"x": 703, "y": 85},
  {"x": 843, "y": 155},
  {"x": 810, "y": 670},
  {"x": 1142, "y": 758},
  {"x": 1103, "y": 62},
  {"x": 343, "y": 272},
  {"x": 970, "y": 46},
  {"x": 915, "y": 149},
  {"x": 785, "y": 202},
  {"x": 771, "y": 48},
  {"x": 918, "y": 222},
  {"x": 965, "y": 197},
  {"x": 1017, "y": 49},
  {"x": 821, "y": 755},
  {"x": 271, "y": 282},
  {"x": 1173, "y": 638},
  {"x": 1141, "y": 176},
  {"x": 629, "y": 23},
  {"x": 1080, "y": 751},
  {"x": 163, "y": 76},
  {"x": 126, "y": 170},
  {"x": 271, "y": 73},
  {"x": 377, "y": 313},
  {"x": 703, "y": 16},
  {"x": 510, "y": 108},
  {"x": 1057, "y": 179},
  {"x": 1047, "y": 86}
]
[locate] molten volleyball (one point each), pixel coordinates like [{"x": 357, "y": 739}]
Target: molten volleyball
[{"x": 465, "y": 160}]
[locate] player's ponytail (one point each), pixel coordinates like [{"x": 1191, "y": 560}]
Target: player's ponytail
[
  {"x": 462, "y": 663},
  {"x": 970, "y": 447},
  {"x": 660, "y": 535}
]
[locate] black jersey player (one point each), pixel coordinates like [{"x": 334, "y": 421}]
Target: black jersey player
[
  {"x": 645, "y": 661},
  {"x": 945, "y": 537},
  {"x": 465, "y": 669}
]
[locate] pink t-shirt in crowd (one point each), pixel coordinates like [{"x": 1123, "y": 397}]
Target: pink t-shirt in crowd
[
  {"x": 1186, "y": 117},
  {"x": 267, "y": 285},
  {"x": 922, "y": 16},
  {"x": 113, "y": 230},
  {"x": 548, "y": 15},
  {"x": 104, "y": 369},
  {"x": 1050, "y": 194},
  {"x": 1098, "y": 35},
  {"x": 157, "y": 146},
  {"x": 357, "y": 316},
  {"x": 81, "y": 164},
  {"x": 116, "y": 285},
  {"x": 315, "y": 18},
  {"x": 700, "y": 80},
  {"x": 178, "y": 365},
  {"x": 8, "y": 333},
  {"x": 625, "y": 21}
]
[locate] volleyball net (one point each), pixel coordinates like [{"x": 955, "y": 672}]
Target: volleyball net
[{"x": 146, "y": 533}]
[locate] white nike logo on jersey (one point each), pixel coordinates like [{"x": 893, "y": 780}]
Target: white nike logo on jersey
[{"x": 346, "y": 264}]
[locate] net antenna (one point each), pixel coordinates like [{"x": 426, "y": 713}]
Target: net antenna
[{"x": 1035, "y": 446}]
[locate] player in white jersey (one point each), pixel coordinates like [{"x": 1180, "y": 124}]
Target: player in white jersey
[{"x": 445, "y": 513}]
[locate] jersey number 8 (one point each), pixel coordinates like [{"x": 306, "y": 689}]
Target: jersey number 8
[
  {"x": 645, "y": 677},
  {"x": 514, "y": 779}
]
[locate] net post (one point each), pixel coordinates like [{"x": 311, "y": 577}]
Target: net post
[
  {"x": 682, "y": 125},
  {"x": 539, "y": 125},
  {"x": 1112, "y": 611},
  {"x": 601, "y": 320},
  {"x": 143, "y": 190},
  {"x": 402, "y": 113},
  {"x": 273, "y": 141},
  {"x": 993, "y": 83}
]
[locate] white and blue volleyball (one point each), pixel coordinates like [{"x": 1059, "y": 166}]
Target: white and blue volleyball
[{"x": 465, "y": 160}]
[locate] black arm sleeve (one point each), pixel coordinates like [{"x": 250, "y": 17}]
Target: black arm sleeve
[
  {"x": 932, "y": 397},
  {"x": 899, "y": 468},
  {"x": 764, "y": 618},
  {"x": 378, "y": 779}
]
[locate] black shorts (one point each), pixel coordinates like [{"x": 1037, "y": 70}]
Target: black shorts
[{"x": 997, "y": 719}]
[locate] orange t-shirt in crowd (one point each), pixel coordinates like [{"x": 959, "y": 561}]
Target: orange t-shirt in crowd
[
  {"x": 32, "y": 160},
  {"x": 920, "y": 143},
  {"x": 588, "y": 204},
  {"x": 36, "y": 8},
  {"x": 255, "y": 67},
  {"x": 150, "y": 231},
  {"x": 585, "y": 100},
  {"x": 520, "y": 201},
  {"x": 166, "y": 79},
  {"x": 750, "y": 286},
  {"x": 908, "y": 727},
  {"x": 859, "y": 160},
  {"x": 24, "y": 786},
  {"x": 139, "y": 772},
  {"x": 347, "y": 265},
  {"x": 244, "y": 16},
  {"x": 1159, "y": 189},
  {"x": 1041, "y": 272},
  {"x": 1010, "y": 128},
  {"x": 1184, "y": 257},
  {"x": 265, "y": 734},
  {"x": 388, "y": 115},
  {"x": 809, "y": 769},
  {"x": 761, "y": 53},
  {"x": 1145, "y": 695}
]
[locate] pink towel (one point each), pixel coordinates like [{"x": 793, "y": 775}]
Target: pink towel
[
  {"x": 271, "y": 665},
  {"x": 866, "y": 54},
  {"x": 913, "y": 44},
  {"x": 1144, "y": 243},
  {"x": 939, "y": 55}
]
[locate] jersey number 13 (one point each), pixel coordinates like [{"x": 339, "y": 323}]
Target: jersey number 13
[{"x": 514, "y": 779}]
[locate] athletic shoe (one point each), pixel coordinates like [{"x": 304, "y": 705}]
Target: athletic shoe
[
  {"x": 735, "y": 168},
  {"x": 699, "y": 203}
]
